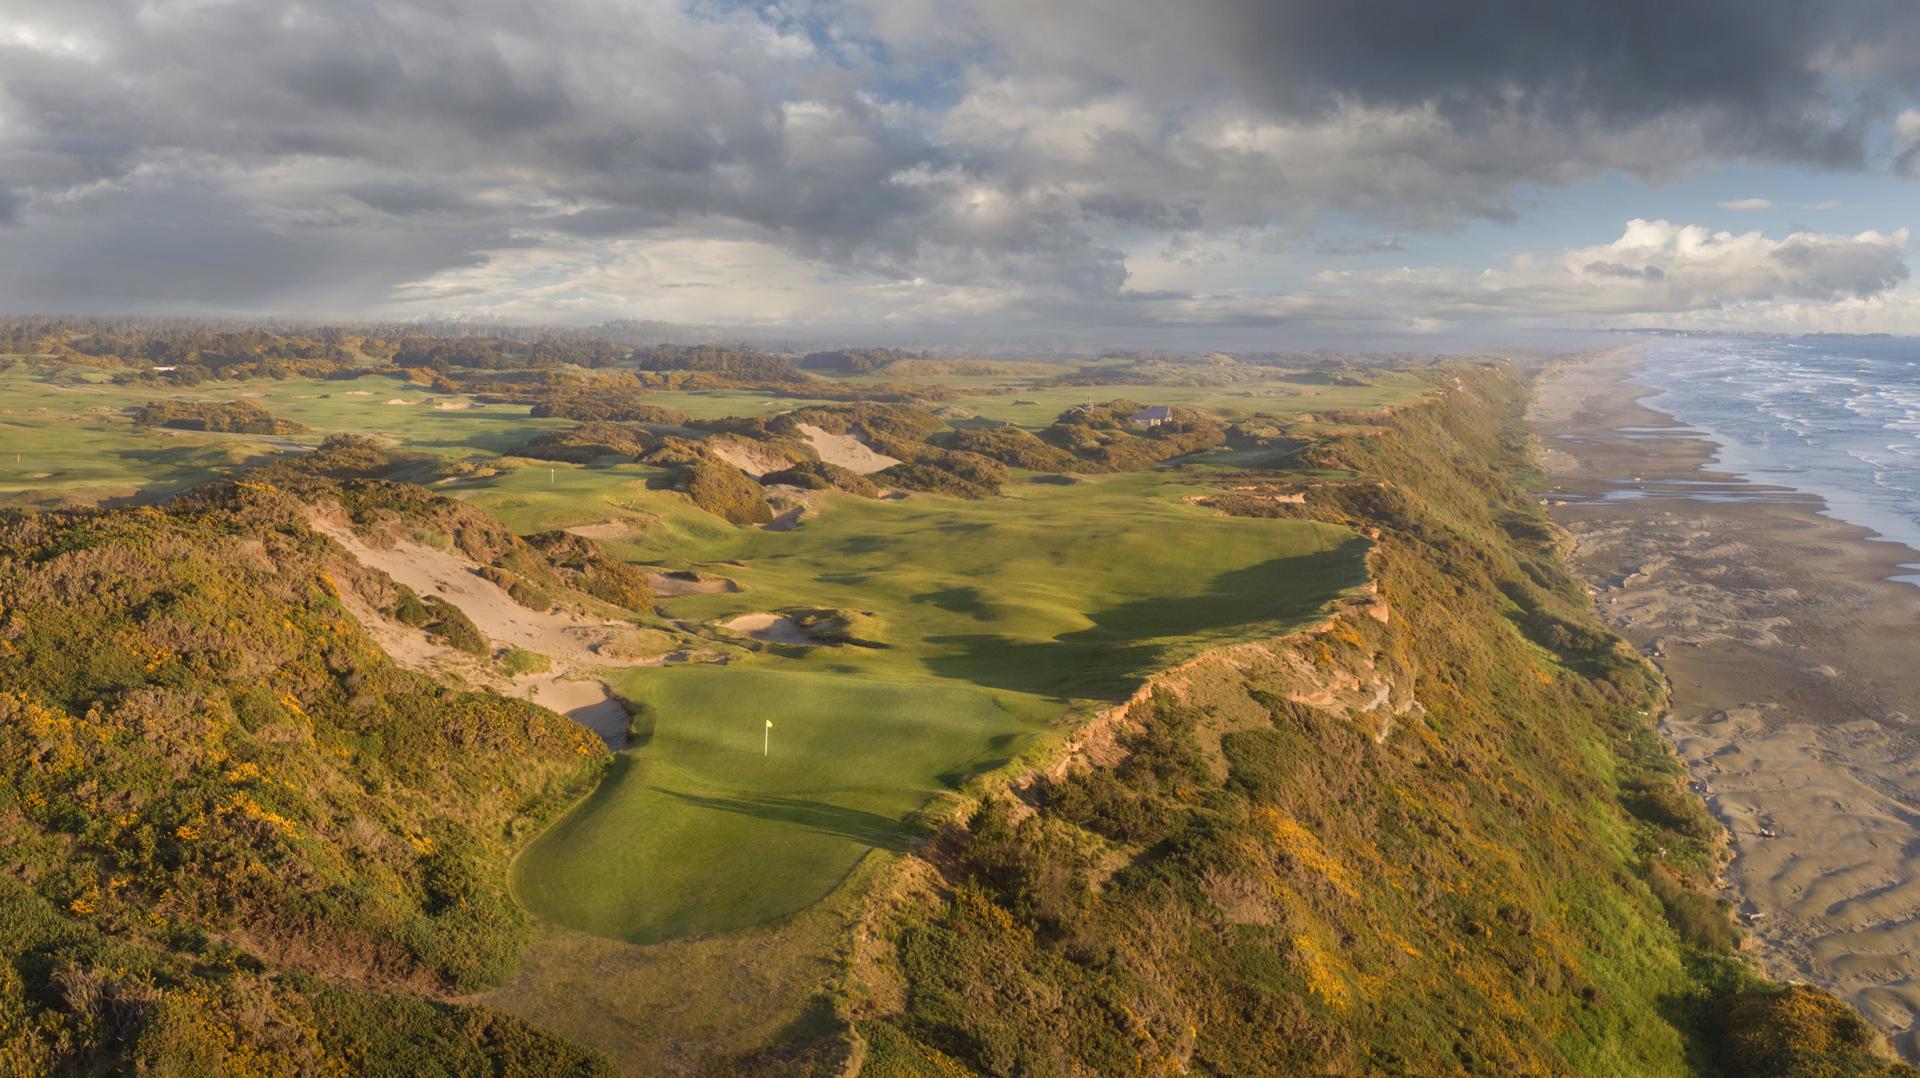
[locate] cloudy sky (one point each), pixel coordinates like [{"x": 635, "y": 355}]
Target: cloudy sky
[{"x": 921, "y": 166}]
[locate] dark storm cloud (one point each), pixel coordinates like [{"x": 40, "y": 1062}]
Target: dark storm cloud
[
  {"x": 315, "y": 157},
  {"x": 1763, "y": 67}
]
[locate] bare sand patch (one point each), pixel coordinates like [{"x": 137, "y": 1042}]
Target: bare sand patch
[
  {"x": 397, "y": 400},
  {"x": 846, "y": 451},
  {"x": 359, "y": 393},
  {"x": 576, "y": 642},
  {"x": 585, "y": 701},
  {"x": 607, "y": 529},
  {"x": 669, "y": 583},
  {"x": 455, "y": 404},
  {"x": 755, "y": 460},
  {"x": 772, "y": 628}
]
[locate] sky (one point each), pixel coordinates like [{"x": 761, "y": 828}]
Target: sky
[{"x": 1245, "y": 170}]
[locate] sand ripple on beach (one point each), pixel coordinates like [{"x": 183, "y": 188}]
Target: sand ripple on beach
[{"x": 1842, "y": 879}]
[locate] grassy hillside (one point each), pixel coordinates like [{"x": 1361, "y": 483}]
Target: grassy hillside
[
  {"x": 1435, "y": 836},
  {"x": 233, "y": 827}
]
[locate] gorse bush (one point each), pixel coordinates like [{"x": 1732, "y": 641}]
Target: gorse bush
[
  {"x": 1381, "y": 846},
  {"x": 226, "y": 417},
  {"x": 212, "y": 782}
]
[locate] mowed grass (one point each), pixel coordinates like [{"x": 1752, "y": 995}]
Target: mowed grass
[
  {"x": 1001, "y": 614},
  {"x": 65, "y": 435}
]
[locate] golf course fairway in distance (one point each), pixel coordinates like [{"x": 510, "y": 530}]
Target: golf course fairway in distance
[{"x": 1000, "y": 615}]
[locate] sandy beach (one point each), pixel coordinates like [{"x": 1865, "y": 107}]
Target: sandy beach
[{"x": 1795, "y": 673}]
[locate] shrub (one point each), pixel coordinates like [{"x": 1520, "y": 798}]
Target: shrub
[
  {"x": 726, "y": 492},
  {"x": 225, "y": 417},
  {"x": 516, "y": 662},
  {"x": 451, "y": 626}
]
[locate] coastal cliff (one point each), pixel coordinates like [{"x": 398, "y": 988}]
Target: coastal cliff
[{"x": 1435, "y": 833}]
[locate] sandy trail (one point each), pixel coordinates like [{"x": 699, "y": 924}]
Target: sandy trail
[
  {"x": 846, "y": 450},
  {"x": 1790, "y": 654}
]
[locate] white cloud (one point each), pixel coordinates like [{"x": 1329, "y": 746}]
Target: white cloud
[
  {"x": 1747, "y": 204},
  {"x": 1907, "y": 129},
  {"x": 1656, "y": 272},
  {"x": 1823, "y": 204}
]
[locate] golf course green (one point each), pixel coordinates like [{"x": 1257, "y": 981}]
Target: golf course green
[{"x": 999, "y": 617}]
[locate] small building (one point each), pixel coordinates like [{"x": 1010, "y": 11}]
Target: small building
[{"x": 1152, "y": 416}]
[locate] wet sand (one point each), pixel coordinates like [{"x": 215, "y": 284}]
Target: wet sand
[{"x": 1795, "y": 665}]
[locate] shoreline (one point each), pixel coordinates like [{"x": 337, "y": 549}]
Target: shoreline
[{"x": 1786, "y": 636}]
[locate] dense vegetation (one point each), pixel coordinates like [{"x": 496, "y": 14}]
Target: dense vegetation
[
  {"x": 1263, "y": 877},
  {"x": 223, "y": 417},
  {"x": 233, "y": 826},
  {"x": 855, "y": 360}
]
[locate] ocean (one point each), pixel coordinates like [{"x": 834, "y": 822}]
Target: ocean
[{"x": 1838, "y": 417}]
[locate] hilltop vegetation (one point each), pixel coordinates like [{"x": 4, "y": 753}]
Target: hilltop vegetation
[
  {"x": 1433, "y": 833},
  {"x": 223, "y": 417},
  {"x": 1462, "y": 872},
  {"x": 234, "y": 827}
]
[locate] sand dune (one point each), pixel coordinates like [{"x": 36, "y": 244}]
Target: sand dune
[
  {"x": 846, "y": 450},
  {"x": 754, "y": 459},
  {"x": 576, "y": 643}
]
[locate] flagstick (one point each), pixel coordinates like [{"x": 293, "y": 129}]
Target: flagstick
[{"x": 766, "y": 740}]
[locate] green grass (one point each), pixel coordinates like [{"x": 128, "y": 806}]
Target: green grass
[
  {"x": 1277, "y": 397},
  {"x": 1001, "y": 615},
  {"x": 65, "y": 435}
]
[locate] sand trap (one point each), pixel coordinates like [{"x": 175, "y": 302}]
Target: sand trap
[
  {"x": 607, "y": 529},
  {"x": 846, "y": 450},
  {"x": 772, "y": 628},
  {"x": 457, "y": 404},
  {"x": 359, "y": 393},
  {"x": 397, "y": 400},
  {"x": 584, "y": 701},
  {"x": 668, "y": 584}
]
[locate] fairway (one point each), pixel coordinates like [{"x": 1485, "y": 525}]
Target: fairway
[{"x": 1001, "y": 615}]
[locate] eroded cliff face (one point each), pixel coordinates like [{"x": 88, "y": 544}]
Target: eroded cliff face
[{"x": 1433, "y": 833}]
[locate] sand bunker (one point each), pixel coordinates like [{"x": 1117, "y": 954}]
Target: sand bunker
[
  {"x": 846, "y": 450},
  {"x": 586, "y": 702},
  {"x": 457, "y": 404},
  {"x": 397, "y": 400},
  {"x": 772, "y": 628},
  {"x": 359, "y": 393},
  {"x": 668, "y": 584},
  {"x": 607, "y": 529}
]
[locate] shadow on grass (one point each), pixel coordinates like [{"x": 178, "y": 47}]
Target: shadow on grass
[
  {"x": 870, "y": 828},
  {"x": 1128, "y": 639}
]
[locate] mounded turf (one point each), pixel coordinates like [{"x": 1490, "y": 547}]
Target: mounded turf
[{"x": 1001, "y": 615}]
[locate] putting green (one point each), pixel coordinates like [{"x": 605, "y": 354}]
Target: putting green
[{"x": 1000, "y": 615}]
